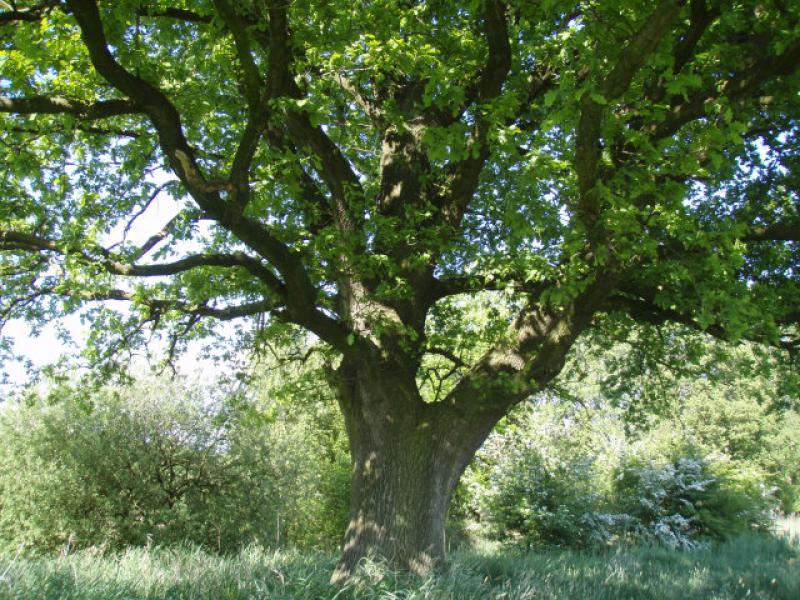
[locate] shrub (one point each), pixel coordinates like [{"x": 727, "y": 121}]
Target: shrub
[
  {"x": 569, "y": 479},
  {"x": 541, "y": 499},
  {"x": 153, "y": 463},
  {"x": 681, "y": 501},
  {"x": 164, "y": 463}
]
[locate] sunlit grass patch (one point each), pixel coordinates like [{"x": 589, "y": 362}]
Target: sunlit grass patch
[{"x": 754, "y": 566}]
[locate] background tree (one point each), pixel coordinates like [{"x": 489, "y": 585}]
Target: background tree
[{"x": 351, "y": 168}]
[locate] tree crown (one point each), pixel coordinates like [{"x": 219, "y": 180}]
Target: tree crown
[{"x": 354, "y": 167}]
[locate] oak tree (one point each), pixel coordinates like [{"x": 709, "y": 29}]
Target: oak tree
[{"x": 355, "y": 168}]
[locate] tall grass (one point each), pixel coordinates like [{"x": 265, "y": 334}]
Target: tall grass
[{"x": 747, "y": 567}]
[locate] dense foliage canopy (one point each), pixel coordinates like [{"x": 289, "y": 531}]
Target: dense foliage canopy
[{"x": 346, "y": 166}]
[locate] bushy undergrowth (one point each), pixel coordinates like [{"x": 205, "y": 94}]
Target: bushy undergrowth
[
  {"x": 683, "y": 501},
  {"x": 119, "y": 468},
  {"x": 162, "y": 463},
  {"x": 541, "y": 499},
  {"x": 551, "y": 479},
  {"x": 746, "y": 567}
]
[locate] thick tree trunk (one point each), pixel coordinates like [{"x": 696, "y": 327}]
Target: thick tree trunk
[
  {"x": 407, "y": 456},
  {"x": 399, "y": 499},
  {"x": 406, "y": 462}
]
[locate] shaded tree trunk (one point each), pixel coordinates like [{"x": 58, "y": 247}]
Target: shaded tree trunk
[{"x": 407, "y": 457}]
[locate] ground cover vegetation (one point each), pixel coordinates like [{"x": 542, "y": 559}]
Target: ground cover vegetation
[
  {"x": 748, "y": 567},
  {"x": 447, "y": 196}
]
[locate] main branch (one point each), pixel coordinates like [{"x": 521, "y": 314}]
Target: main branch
[
  {"x": 180, "y": 155},
  {"x": 51, "y": 105}
]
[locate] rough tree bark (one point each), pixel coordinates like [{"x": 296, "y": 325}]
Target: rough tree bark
[{"x": 407, "y": 457}]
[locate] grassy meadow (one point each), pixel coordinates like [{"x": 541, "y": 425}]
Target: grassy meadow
[{"x": 753, "y": 566}]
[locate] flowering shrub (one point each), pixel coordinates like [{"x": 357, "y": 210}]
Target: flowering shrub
[
  {"x": 684, "y": 500},
  {"x": 541, "y": 497}
]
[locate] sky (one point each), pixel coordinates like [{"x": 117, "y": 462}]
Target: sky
[{"x": 46, "y": 348}]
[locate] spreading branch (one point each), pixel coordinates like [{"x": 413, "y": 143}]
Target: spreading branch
[
  {"x": 258, "y": 112},
  {"x": 50, "y": 105},
  {"x": 181, "y": 157},
  {"x": 14, "y": 240},
  {"x": 777, "y": 232},
  {"x": 161, "y": 235},
  {"x": 734, "y": 88},
  {"x": 640, "y": 306},
  {"x": 30, "y": 14},
  {"x": 179, "y": 14},
  {"x": 700, "y": 19},
  {"x": 587, "y": 144},
  {"x": 444, "y": 352},
  {"x": 530, "y": 355},
  {"x": 202, "y": 309},
  {"x": 371, "y": 109},
  {"x": 462, "y": 177},
  {"x": 333, "y": 167},
  {"x": 498, "y": 62}
]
